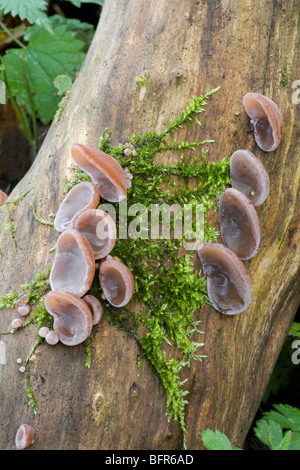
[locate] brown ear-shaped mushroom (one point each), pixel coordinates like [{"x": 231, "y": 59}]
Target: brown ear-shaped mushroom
[
  {"x": 249, "y": 176},
  {"x": 104, "y": 170},
  {"x": 95, "y": 307},
  {"x": 73, "y": 320},
  {"x": 73, "y": 268},
  {"x": 3, "y": 196},
  {"x": 100, "y": 230},
  {"x": 239, "y": 223},
  {"x": 266, "y": 119},
  {"x": 24, "y": 436},
  {"x": 229, "y": 285},
  {"x": 81, "y": 197},
  {"x": 116, "y": 281}
]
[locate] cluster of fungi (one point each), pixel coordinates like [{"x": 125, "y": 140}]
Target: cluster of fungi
[
  {"x": 88, "y": 235},
  {"x": 229, "y": 285}
]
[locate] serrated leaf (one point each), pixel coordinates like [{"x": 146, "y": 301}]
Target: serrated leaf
[
  {"x": 47, "y": 55},
  {"x": 72, "y": 24},
  {"x": 286, "y": 441},
  {"x": 31, "y": 10},
  {"x": 295, "y": 441},
  {"x": 269, "y": 432},
  {"x": 216, "y": 440},
  {"x": 287, "y": 416}
]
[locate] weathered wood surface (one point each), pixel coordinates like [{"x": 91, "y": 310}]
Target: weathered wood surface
[{"x": 186, "y": 48}]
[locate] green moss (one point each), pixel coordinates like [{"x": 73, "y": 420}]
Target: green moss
[
  {"x": 142, "y": 80},
  {"x": 11, "y": 225},
  {"x": 38, "y": 219},
  {"x": 61, "y": 106},
  {"x": 35, "y": 289},
  {"x": 284, "y": 79},
  {"x": 166, "y": 283},
  {"x": 165, "y": 280}
]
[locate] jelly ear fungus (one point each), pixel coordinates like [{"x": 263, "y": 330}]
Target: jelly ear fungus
[
  {"x": 73, "y": 268},
  {"x": 80, "y": 198},
  {"x": 3, "y": 196},
  {"x": 104, "y": 170},
  {"x": 100, "y": 230},
  {"x": 266, "y": 119},
  {"x": 248, "y": 175},
  {"x": 24, "y": 436},
  {"x": 95, "y": 307},
  {"x": 239, "y": 223},
  {"x": 229, "y": 286},
  {"x": 116, "y": 281},
  {"x": 73, "y": 320}
]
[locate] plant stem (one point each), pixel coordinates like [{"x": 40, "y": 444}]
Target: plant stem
[
  {"x": 12, "y": 36},
  {"x": 20, "y": 113},
  {"x": 34, "y": 142}
]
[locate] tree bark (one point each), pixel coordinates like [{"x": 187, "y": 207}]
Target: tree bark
[{"x": 185, "y": 49}]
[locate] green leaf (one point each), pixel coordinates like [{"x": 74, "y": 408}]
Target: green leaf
[
  {"x": 285, "y": 443},
  {"x": 295, "y": 330},
  {"x": 62, "y": 83},
  {"x": 216, "y": 440},
  {"x": 72, "y": 24},
  {"x": 269, "y": 432},
  {"x": 47, "y": 55},
  {"x": 287, "y": 416},
  {"x": 295, "y": 441},
  {"x": 270, "y": 428},
  {"x": 31, "y": 10}
]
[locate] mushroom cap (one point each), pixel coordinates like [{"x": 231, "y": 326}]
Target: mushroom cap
[
  {"x": 43, "y": 331},
  {"x": 100, "y": 230},
  {"x": 116, "y": 281},
  {"x": 266, "y": 118},
  {"x": 81, "y": 197},
  {"x": 73, "y": 319},
  {"x": 229, "y": 286},
  {"x": 249, "y": 176},
  {"x": 24, "y": 436},
  {"x": 104, "y": 170},
  {"x": 239, "y": 223},
  {"x": 52, "y": 337},
  {"x": 73, "y": 268},
  {"x": 3, "y": 196},
  {"x": 24, "y": 299},
  {"x": 95, "y": 307}
]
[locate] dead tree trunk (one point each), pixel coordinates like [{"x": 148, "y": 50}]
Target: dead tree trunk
[{"x": 185, "y": 49}]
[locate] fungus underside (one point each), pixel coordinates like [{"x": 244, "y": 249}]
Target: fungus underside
[{"x": 166, "y": 284}]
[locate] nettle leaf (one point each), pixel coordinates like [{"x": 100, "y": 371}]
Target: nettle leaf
[
  {"x": 31, "y": 10},
  {"x": 216, "y": 440},
  {"x": 47, "y": 55}
]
